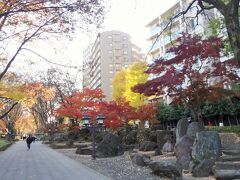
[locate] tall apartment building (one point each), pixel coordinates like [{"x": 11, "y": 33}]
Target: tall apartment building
[
  {"x": 160, "y": 37},
  {"x": 111, "y": 51}
]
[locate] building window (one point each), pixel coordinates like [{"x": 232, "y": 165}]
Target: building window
[
  {"x": 109, "y": 37},
  {"x": 110, "y": 51},
  {"x": 125, "y": 52},
  {"x": 124, "y": 38},
  {"x": 110, "y": 44},
  {"x": 192, "y": 24}
]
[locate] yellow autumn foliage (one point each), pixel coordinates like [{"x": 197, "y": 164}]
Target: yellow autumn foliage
[
  {"x": 128, "y": 78},
  {"x": 26, "y": 94},
  {"x": 12, "y": 92},
  {"x": 119, "y": 84}
]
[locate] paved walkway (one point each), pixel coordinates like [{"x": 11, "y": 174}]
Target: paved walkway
[{"x": 42, "y": 163}]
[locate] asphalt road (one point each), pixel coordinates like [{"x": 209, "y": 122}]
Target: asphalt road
[{"x": 42, "y": 163}]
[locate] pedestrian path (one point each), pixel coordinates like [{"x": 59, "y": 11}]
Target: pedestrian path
[{"x": 42, "y": 163}]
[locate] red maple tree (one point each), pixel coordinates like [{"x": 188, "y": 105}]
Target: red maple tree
[
  {"x": 88, "y": 102},
  {"x": 194, "y": 73},
  {"x": 146, "y": 112},
  {"x": 119, "y": 113}
]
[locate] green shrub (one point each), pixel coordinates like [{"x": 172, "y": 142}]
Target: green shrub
[{"x": 230, "y": 129}]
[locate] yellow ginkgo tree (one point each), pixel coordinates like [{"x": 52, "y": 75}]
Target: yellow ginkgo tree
[
  {"x": 125, "y": 79},
  {"x": 119, "y": 84}
]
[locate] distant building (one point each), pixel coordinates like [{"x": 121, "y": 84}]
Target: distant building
[{"x": 111, "y": 51}]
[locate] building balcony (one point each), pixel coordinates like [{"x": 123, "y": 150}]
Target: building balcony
[
  {"x": 154, "y": 47},
  {"x": 167, "y": 39},
  {"x": 154, "y": 32}
]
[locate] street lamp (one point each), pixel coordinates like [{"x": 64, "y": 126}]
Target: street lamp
[
  {"x": 100, "y": 119},
  {"x": 86, "y": 120}
]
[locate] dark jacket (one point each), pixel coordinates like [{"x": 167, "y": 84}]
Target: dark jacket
[{"x": 29, "y": 140}]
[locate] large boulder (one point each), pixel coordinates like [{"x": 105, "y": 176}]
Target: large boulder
[
  {"x": 158, "y": 151},
  {"x": 204, "y": 168},
  {"x": 163, "y": 136},
  {"x": 207, "y": 145},
  {"x": 129, "y": 147},
  {"x": 84, "y": 150},
  {"x": 70, "y": 143},
  {"x": 140, "y": 160},
  {"x": 130, "y": 138},
  {"x": 194, "y": 128},
  {"x": 148, "y": 146},
  {"x": 181, "y": 128},
  {"x": 166, "y": 168},
  {"x": 99, "y": 136},
  {"x": 85, "y": 134},
  {"x": 110, "y": 146},
  {"x": 167, "y": 147},
  {"x": 183, "y": 150}
]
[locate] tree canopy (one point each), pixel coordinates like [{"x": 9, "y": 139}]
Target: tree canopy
[
  {"x": 125, "y": 79},
  {"x": 193, "y": 74},
  {"x": 23, "y": 22}
]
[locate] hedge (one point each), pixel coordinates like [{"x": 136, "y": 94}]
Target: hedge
[{"x": 229, "y": 129}]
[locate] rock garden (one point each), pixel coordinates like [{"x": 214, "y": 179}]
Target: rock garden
[{"x": 189, "y": 151}]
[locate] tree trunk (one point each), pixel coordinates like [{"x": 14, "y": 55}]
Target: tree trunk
[
  {"x": 233, "y": 30},
  {"x": 229, "y": 122}
]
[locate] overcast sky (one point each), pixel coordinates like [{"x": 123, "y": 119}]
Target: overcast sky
[{"x": 129, "y": 16}]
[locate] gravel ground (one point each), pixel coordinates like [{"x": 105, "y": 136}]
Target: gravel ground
[{"x": 117, "y": 168}]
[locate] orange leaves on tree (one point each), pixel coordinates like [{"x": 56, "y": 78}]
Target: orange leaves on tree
[
  {"x": 25, "y": 123},
  {"x": 2, "y": 126},
  {"x": 36, "y": 90},
  {"x": 89, "y": 101},
  {"x": 146, "y": 111},
  {"x": 119, "y": 113}
]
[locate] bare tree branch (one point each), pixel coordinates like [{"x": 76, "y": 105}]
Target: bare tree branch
[{"x": 8, "y": 111}]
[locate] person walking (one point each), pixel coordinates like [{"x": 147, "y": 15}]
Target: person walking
[{"x": 29, "y": 140}]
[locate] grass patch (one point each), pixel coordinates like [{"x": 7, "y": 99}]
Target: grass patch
[
  {"x": 227, "y": 129},
  {"x": 4, "y": 144}
]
